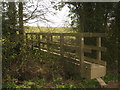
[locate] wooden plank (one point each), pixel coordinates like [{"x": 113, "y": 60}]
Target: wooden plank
[
  {"x": 64, "y": 34},
  {"x": 70, "y": 55},
  {"x": 101, "y": 62},
  {"x": 31, "y": 36},
  {"x": 101, "y": 82},
  {"x": 71, "y": 47},
  {"x": 61, "y": 45},
  {"x": 55, "y": 34},
  {"x": 77, "y": 44},
  {"x": 99, "y": 56},
  {"x": 93, "y": 34},
  {"x": 82, "y": 54},
  {"x": 74, "y": 34},
  {"x": 48, "y": 40},
  {"x": 87, "y": 50},
  {"x": 56, "y": 51},
  {"x": 80, "y": 51},
  {"x": 89, "y": 47},
  {"x": 39, "y": 44},
  {"x": 70, "y": 34}
]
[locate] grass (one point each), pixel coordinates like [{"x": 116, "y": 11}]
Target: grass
[
  {"x": 57, "y": 83},
  {"x": 48, "y": 29}
]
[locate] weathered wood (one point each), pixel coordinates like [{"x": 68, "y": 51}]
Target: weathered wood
[
  {"x": 98, "y": 48},
  {"x": 77, "y": 45},
  {"x": 44, "y": 39},
  {"x": 71, "y": 47},
  {"x": 70, "y": 55},
  {"x": 61, "y": 45},
  {"x": 80, "y": 51},
  {"x": 101, "y": 82},
  {"x": 99, "y": 45},
  {"x": 74, "y": 34},
  {"x": 82, "y": 54},
  {"x": 93, "y": 34},
  {"x": 31, "y": 36},
  {"x": 100, "y": 62},
  {"x": 39, "y": 44},
  {"x": 48, "y": 40},
  {"x": 56, "y": 51},
  {"x": 80, "y": 48}
]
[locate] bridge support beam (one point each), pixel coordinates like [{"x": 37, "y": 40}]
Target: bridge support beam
[{"x": 101, "y": 82}]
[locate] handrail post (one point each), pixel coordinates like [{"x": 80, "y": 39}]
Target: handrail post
[
  {"x": 80, "y": 41},
  {"x": 31, "y": 36},
  {"x": 82, "y": 54},
  {"x": 61, "y": 45},
  {"x": 38, "y": 37},
  {"x": 99, "y": 45},
  {"x": 43, "y": 38},
  {"x": 26, "y": 38},
  {"x": 48, "y": 42}
]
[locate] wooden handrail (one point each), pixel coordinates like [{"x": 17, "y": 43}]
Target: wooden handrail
[
  {"x": 90, "y": 47},
  {"x": 79, "y": 47},
  {"x": 101, "y": 62},
  {"x": 73, "y": 34}
]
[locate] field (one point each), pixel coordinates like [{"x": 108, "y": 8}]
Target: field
[{"x": 48, "y": 29}]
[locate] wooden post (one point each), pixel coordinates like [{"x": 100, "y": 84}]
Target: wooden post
[
  {"x": 43, "y": 39},
  {"x": 31, "y": 36},
  {"x": 38, "y": 37},
  {"x": 80, "y": 52},
  {"x": 51, "y": 38},
  {"x": 99, "y": 45},
  {"x": 61, "y": 45},
  {"x": 48, "y": 42},
  {"x": 26, "y": 38}
]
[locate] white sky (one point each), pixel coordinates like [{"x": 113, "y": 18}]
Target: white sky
[{"x": 61, "y": 19}]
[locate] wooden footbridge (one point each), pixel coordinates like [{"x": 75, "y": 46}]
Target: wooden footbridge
[{"x": 72, "y": 45}]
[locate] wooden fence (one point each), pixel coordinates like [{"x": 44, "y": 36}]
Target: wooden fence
[{"x": 73, "y": 42}]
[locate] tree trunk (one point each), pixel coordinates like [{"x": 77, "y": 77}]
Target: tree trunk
[{"x": 21, "y": 30}]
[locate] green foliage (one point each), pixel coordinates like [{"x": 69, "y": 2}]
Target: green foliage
[
  {"x": 9, "y": 18},
  {"x": 90, "y": 84},
  {"x": 10, "y": 85},
  {"x": 59, "y": 79},
  {"x": 66, "y": 86},
  {"x": 110, "y": 77}
]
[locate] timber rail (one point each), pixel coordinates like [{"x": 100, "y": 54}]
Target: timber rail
[{"x": 75, "y": 45}]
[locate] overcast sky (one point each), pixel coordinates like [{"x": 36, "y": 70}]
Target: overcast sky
[{"x": 61, "y": 18}]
